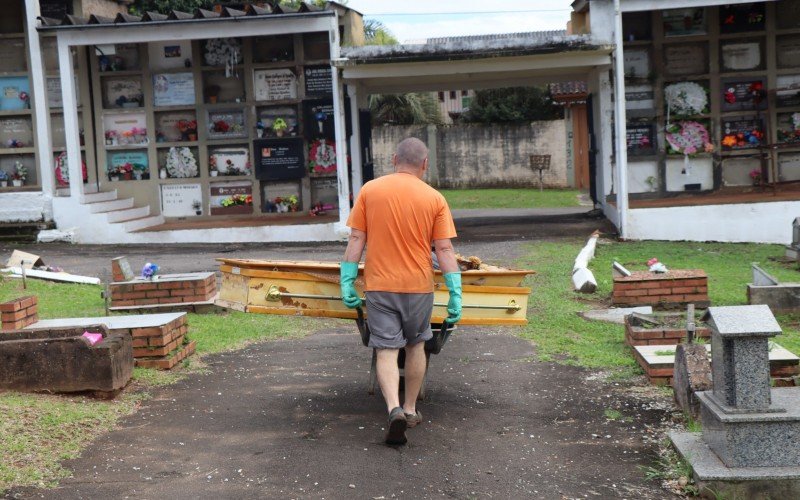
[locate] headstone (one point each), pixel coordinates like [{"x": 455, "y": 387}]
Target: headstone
[
  {"x": 619, "y": 270},
  {"x": 762, "y": 278},
  {"x": 692, "y": 375},
  {"x": 121, "y": 269}
]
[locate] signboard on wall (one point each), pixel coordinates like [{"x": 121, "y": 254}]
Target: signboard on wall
[
  {"x": 275, "y": 84},
  {"x": 280, "y": 159},
  {"x": 181, "y": 200},
  {"x": 742, "y": 55},
  {"x": 318, "y": 80},
  {"x": 173, "y": 89}
]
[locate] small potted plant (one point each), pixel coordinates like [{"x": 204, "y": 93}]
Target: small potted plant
[
  {"x": 280, "y": 126},
  {"x": 19, "y": 175},
  {"x": 212, "y": 93},
  {"x": 113, "y": 173},
  {"x": 197, "y": 206},
  {"x": 212, "y": 165},
  {"x": 755, "y": 176},
  {"x": 3, "y": 178}
]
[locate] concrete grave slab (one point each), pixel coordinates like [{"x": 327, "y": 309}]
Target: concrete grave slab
[
  {"x": 615, "y": 314},
  {"x": 765, "y": 289}
]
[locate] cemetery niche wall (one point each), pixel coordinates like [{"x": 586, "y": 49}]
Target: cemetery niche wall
[
  {"x": 220, "y": 126},
  {"x": 712, "y": 99}
]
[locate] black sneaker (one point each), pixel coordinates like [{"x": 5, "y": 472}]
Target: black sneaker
[{"x": 397, "y": 427}]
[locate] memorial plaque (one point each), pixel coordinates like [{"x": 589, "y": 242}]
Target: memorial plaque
[
  {"x": 122, "y": 93},
  {"x": 744, "y": 95},
  {"x": 789, "y": 166},
  {"x": 325, "y": 191},
  {"x": 318, "y": 80},
  {"x": 226, "y": 198},
  {"x": 787, "y": 93},
  {"x": 225, "y": 124},
  {"x": 12, "y": 55},
  {"x": 743, "y": 17},
  {"x": 273, "y": 190},
  {"x": 16, "y": 130},
  {"x": 137, "y": 159},
  {"x": 230, "y": 160},
  {"x": 173, "y": 89},
  {"x": 788, "y": 51},
  {"x": 641, "y": 138},
  {"x": 686, "y": 59},
  {"x": 13, "y": 91},
  {"x": 788, "y": 128},
  {"x": 167, "y": 128},
  {"x": 684, "y": 22},
  {"x": 181, "y": 200},
  {"x": 280, "y": 159},
  {"x": 789, "y": 17},
  {"x": 318, "y": 119},
  {"x": 126, "y": 128},
  {"x": 637, "y": 63},
  {"x": 55, "y": 9},
  {"x": 741, "y": 133},
  {"x": 742, "y": 55},
  {"x": 275, "y": 84},
  {"x": 639, "y": 97}
]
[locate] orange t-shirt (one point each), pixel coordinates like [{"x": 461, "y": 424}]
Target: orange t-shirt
[{"x": 401, "y": 215}]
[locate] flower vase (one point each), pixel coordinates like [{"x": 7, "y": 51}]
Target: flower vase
[
  {"x": 17, "y": 182},
  {"x": 279, "y": 133},
  {"x": 214, "y": 173},
  {"x": 260, "y": 132},
  {"x": 137, "y": 175},
  {"x": 192, "y": 136},
  {"x": 212, "y": 99},
  {"x": 114, "y": 178},
  {"x": 3, "y": 183},
  {"x": 162, "y": 173}
]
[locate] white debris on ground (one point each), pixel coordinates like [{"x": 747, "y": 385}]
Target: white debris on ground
[{"x": 55, "y": 235}]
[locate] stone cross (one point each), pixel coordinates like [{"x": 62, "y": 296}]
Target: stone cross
[{"x": 740, "y": 356}]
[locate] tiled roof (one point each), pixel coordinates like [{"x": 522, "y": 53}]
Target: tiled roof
[
  {"x": 536, "y": 35},
  {"x": 568, "y": 89},
  {"x": 220, "y": 12}
]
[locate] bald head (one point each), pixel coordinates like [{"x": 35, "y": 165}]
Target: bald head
[{"x": 411, "y": 152}]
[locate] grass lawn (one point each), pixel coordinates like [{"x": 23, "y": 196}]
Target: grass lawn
[
  {"x": 510, "y": 198},
  {"x": 561, "y": 335},
  {"x": 38, "y": 431}
]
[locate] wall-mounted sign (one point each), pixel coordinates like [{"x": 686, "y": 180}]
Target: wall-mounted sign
[
  {"x": 743, "y": 17},
  {"x": 744, "y": 95},
  {"x": 787, "y": 91},
  {"x": 741, "y": 55},
  {"x": 686, "y": 59},
  {"x": 275, "y": 84},
  {"x": 173, "y": 89},
  {"x": 280, "y": 159},
  {"x": 787, "y": 51},
  {"x": 683, "y": 22},
  {"x": 318, "y": 80},
  {"x": 181, "y": 200},
  {"x": 639, "y": 97}
]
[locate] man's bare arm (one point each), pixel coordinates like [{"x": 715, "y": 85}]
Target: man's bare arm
[
  {"x": 446, "y": 255},
  {"x": 355, "y": 245}
]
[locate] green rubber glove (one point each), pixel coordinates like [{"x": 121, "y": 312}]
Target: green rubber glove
[
  {"x": 453, "y": 282},
  {"x": 348, "y": 272}
]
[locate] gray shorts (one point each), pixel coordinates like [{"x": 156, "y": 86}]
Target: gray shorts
[{"x": 398, "y": 319}]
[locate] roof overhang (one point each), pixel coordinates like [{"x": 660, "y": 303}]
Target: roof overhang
[
  {"x": 474, "y": 73},
  {"x": 648, "y": 5}
]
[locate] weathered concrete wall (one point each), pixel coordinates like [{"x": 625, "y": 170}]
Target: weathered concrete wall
[
  {"x": 107, "y": 8},
  {"x": 477, "y": 156}
]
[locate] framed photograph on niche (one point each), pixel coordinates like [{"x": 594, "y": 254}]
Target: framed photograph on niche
[
  {"x": 742, "y": 17},
  {"x": 170, "y": 55},
  {"x": 684, "y": 22},
  {"x": 280, "y": 159},
  {"x": 742, "y": 55},
  {"x": 744, "y": 94}
]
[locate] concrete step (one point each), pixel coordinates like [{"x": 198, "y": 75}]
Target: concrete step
[
  {"x": 144, "y": 222},
  {"x": 127, "y": 214},
  {"x": 98, "y": 197},
  {"x": 109, "y": 206}
]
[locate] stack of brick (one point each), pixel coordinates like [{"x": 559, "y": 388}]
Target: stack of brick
[
  {"x": 163, "y": 346},
  {"x": 169, "y": 289},
  {"x": 671, "y": 289},
  {"x": 19, "y": 313},
  {"x": 661, "y": 335}
]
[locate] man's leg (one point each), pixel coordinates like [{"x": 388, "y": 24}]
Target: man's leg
[
  {"x": 389, "y": 376},
  {"x": 414, "y": 373}
]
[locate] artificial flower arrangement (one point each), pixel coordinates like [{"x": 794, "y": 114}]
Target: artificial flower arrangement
[
  {"x": 223, "y": 127},
  {"x": 111, "y": 137},
  {"x": 3, "y": 178},
  {"x": 283, "y": 204},
  {"x": 188, "y": 129},
  {"x": 237, "y": 199},
  {"x": 20, "y": 173},
  {"x": 15, "y": 143},
  {"x": 688, "y": 138},
  {"x": 740, "y": 140},
  {"x": 181, "y": 163},
  {"x": 792, "y": 135},
  {"x": 322, "y": 157},
  {"x": 320, "y": 209},
  {"x": 223, "y": 52},
  {"x": 279, "y": 126},
  {"x": 136, "y": 135},
  {"x": 755, "y": 176},
  {"x": 25, "y": 98},
  {"x": 62, "y": 169},
  {"x": 686, "y": 99},
  {"x": 755, "y": 91}
]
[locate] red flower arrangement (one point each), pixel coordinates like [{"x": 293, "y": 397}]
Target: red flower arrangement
[{"x": 221, "y": 126}]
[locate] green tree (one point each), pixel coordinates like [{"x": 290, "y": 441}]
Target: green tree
[
  {"x": 376, "y": 33},
  {"x": 514, "y": 104}
]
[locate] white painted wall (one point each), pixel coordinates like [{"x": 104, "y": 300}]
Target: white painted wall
[
  {"x": 700, "y": 171},
  {"x": 94, "y": 229},
  {"x": 26, "y": 207},
  {"x": 751, "y": 222},
  {"x": 638, "y": 173}
]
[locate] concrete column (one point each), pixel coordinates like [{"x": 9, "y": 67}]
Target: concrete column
[
  {"x": 41, "y": 112},
  {"x": 71, "y": 125},
  {"x": 355, "y": 140},
  {"x": 341, "y": 132},
  {"x": 433, "y": 164}
]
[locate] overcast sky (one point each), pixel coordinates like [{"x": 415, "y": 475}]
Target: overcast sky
[{"x": 455, "y": 17}]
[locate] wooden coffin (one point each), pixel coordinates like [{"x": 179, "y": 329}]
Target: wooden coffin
[{"x": 312, "y": 289}]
